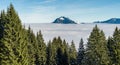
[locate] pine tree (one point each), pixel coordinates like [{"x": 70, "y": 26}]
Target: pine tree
[
  {"x": 81, "y": 51},
  {"x": 23, "y": 49},
  {"x": 13, "y": 40},
  {"x": 73, "y": 54},
  {"x": 31, "y": 46},
  {"x": 4, "y": 58},
  {"x": 54, "y": 49},
  {"x": 96, "y": 53},
  {"x": 59, "y": 56},
  {"x": 66, "y": 57},
  {"x": 56, "y": 43},
  {"x": 50, "y": 55},
  {"x": 41, "y": 52},
  {"x": 116, "y": 47},
  {"x": 2, "y": 21},
  {"x": 111, "y": 50}
]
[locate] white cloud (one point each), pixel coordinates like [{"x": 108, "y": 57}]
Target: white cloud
[{"x": 72, "y": 31}]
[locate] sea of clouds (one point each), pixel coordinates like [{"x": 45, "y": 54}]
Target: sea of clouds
[{"x": 70, "y": 32}]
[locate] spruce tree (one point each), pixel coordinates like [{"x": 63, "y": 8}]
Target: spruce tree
[
  {"x": 81, "y": 51},
  {"x": 66, "y": 56},
  {"x": 73, "y": 54},
  {"x": 41, "y": 52},
  {"x": 31, "y": 46},
  {"x": 2, "y": 21},
  {"x": 19, "y": 40},
  {"x": 13, "y": 40},
  {"x": 50, "y": 55},
  {"x": 111, "y": 50},
  {"x": 56, "y": 43},
  {"x": 59, "y": 56},
  {"x": 4, "y": 49},
  {"x": 96, "y": 53},
  {"x": 54, "y": 48},
  {"x": 116, "y": 46},
  {"x": 66, "y": 59}
]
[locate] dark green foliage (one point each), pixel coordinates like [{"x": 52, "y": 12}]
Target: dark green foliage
[
  {"x": 114, "y": 47},
  {"x": 3, "y": 49},
  {"x": 40, "y": 50},
  {"x": 111, "y": 49},
  {"x": 73, "y": 54},
  {"x": 96, "y": 53},
  {"x": 31, "y": 46},
  {"x": 81, "y": 53},
  {"x": 12, "y": 39},
  {"x": 2, "y": 21},
  {"x": 59, "y": 56},
  {"x": 50, "y": 55},
  {"x": 116, "y": 38},
  {"x": 66, "y": 56},
  {"x": 58, "y": 52}
]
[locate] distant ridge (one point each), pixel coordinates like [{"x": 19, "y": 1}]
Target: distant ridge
[
  {"x": 112, "y": 21},
  {"x": 64, "y": 20}
]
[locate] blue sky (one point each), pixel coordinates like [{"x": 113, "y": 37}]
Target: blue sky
[{"x": 46, "y": 11}]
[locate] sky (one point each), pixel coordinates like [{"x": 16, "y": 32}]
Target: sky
[{"x": 46, "y": 11}]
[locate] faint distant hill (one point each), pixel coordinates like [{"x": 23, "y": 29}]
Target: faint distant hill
[
  {"x": 64, "y": 20},
  {"x": 112, "y": 21}
]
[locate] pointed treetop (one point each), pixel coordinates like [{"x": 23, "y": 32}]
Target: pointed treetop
[
  {"x": 96, "y": 28},
  {"x": 116, "y": 32},
  {"x": 102, "y": 33},
  {"x": 29, "y": 28},
  {"x": 11, "y": 8},
  {"x": 81, "y": 43},
  {"x": 11, "y": 5},
  {"x": 2, "y": 14},
  {"x": 72, "y": 44},
  {"x": 39, "y": 32},
  {"x": 116, "y": 28}
]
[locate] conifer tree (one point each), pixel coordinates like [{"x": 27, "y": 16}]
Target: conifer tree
[
  {"x": 59, "y": 56},
  {"x": 31, "y": 46},
  {"x": 2, "y": 21},
  {"x": 73, "y": 54},
  {"x": 41, "y": 52},
  {"x": 116, "y": 47},
  {"x": 66, "y": 57},
  {"x": 81, "y": 51},
  {"x": 56, "y": 43},
  {"x": 54, "y": 48},
  {"x": 13, "y": 40},
  {"x": 111, "y": 50},
  {"x": 96, "y": 53},
  {"x": 4, "y": 58},
  {"x": 50, "y": 55}
]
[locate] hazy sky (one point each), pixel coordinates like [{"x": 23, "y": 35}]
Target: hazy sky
[{"x": 46, "y": 11}]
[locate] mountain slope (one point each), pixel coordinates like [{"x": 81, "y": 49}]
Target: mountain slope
[
  {"x": 112, "y": 21},
  {"x": 64, "y": 20}
]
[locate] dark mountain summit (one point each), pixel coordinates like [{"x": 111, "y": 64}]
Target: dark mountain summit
[
  {"x": 64, "y": 20},
  {"x": 112, "y": 21}
]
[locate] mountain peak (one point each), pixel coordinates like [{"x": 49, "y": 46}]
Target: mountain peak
[
  {"x": 64, "y": 20},
  {"x": 112, "y": 20},
  {"x": 61, "y": 18}
]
